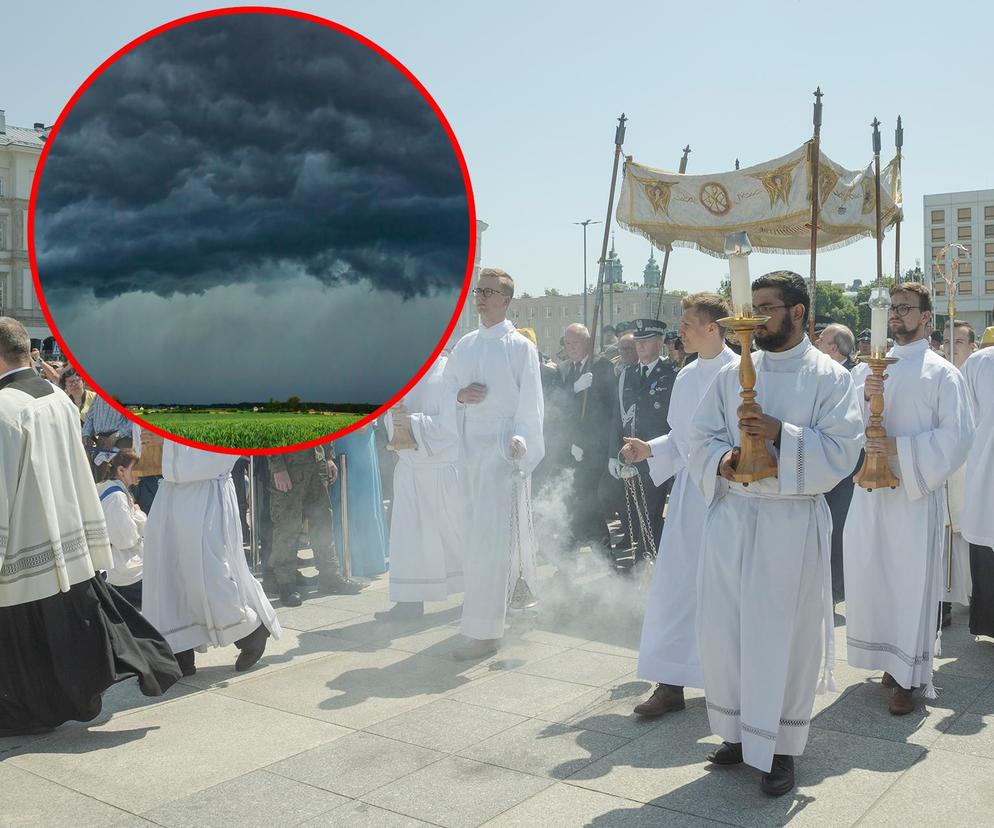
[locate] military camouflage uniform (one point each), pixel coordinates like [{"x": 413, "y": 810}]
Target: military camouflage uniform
[{"x": 307, "y": 498}]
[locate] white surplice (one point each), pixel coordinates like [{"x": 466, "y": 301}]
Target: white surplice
[
  {"x": 426, "y": 524},
  {"x": 507, "y": 363},
  {"x": 977, "y": 524},
  {"x": 668, "y": 649},
  {"x": 197, "y": 587},
  {"x": 52, "y": 529},
  {"x": 764, "y": 610},
  {"x": 893, "y": 544}
]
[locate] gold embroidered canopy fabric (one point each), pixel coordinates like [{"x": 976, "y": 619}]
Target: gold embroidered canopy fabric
[{"x": 770, "y": 201}]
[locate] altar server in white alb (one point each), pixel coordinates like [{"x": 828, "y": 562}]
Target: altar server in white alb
[
  {"x": 955, "y": 579},
  {"x": 668, "y": 650},
  {"x": 764, "y": 612},
  {"x": 977, "y": 524},
  {"x": 426, "y": 525},
  {"x": 198, "y": 589},
  {"x": 893, "y": 538},
  {"x": 495, "y": 374}
]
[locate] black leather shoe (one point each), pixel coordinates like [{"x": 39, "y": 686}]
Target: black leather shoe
[
  {"x": 185, "y": 660},
  {"x": 337, "y": 585},
  {"x": 664, "y": 699},
  {"x": 289, "y": 597},
  {"x": 730, "y": 753},
  {"x": 252, "y": 647},
  {"x": 780, "y": 779}
]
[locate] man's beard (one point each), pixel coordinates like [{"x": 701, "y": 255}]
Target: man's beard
[
  {"x": 776, "y": 339},
  {"x": 903, "y": 334}
]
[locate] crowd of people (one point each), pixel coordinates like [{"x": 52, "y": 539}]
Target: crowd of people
[{"x": 641, "y": 439}]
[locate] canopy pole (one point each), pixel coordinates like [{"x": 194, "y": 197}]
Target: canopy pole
[
  {"x": 666, "y": 252},
  {"x": 619, "y": 139},
  {"x": 815, "y": 175}
]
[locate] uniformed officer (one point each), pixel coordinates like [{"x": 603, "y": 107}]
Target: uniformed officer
[
  {"x": 299, "y": 489},
  {"x": 643, "y": 404}
]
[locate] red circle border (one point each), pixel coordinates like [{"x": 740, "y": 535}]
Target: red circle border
[{"x": 232, "y": 10}]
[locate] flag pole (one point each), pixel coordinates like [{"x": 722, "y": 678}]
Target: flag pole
[
  {"x": 898, "y": 142},
  {"x": 815, "y": 175},
  {"x": 876, "y": 190},
  {"x": 619, "y": 139},
  {"x": 666, "y": 253}
]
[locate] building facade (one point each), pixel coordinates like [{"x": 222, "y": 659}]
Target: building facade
[
  {"x": 549, "y": 315},
  {"x": 965, "y": 218},
  {"x": 20, "y": 148}
]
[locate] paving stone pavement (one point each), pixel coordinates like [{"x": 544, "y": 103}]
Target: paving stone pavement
[{"x": 353, "y": 722}]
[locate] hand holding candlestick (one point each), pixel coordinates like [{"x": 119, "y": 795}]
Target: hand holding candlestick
[{"x": 754, "y": 461}]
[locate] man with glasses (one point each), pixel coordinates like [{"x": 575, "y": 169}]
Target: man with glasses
[
  {"x": 893, "y": 537},
  {"x": 764, "y": 587},
  {"x": 495, "y": 374}
]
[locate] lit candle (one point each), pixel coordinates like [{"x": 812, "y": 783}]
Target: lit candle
[
  {"x": 878, "y": 330},
  {"x": 879, "y": 308},
  {"x": 737, "y": 248},
  {"x": 738, "y": 266}
]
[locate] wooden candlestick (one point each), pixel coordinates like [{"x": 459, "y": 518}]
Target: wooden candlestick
[
  {"x": 875, "y": 472},
  {"x": 755, "y": 461}
]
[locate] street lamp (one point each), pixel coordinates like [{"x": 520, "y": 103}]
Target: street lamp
[{"x": 584, "y": 224}]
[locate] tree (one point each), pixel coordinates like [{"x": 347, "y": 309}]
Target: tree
[
  {"x": 862, "y": 308},
  {"x": 551, "y": 292},
  {"x": 525, "y": 296},
  {"x": 832, "y": 303},
  {"x": 292, "y": 403}
]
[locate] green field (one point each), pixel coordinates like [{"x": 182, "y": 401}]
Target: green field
[{"x": 247, "y": 429}]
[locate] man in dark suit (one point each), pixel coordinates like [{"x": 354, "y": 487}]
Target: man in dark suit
[
  {"x": 588, "y": 389},
  {"x": 644, "y": 400}
]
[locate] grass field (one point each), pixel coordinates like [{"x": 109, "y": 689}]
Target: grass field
[{"x": 247, "y": 429}]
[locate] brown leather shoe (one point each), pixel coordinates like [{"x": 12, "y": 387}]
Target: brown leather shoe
[
  {"x": 901, "y": 702},
  {"x": 888, "y": 680},
  {"x": 664, "y": 699}
]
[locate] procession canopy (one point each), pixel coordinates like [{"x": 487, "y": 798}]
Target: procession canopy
[{"x": 770, "y": 201}]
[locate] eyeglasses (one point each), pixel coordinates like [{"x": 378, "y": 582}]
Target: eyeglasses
[
  {"x": 765, "y": 310},
  {"x": 903, "y": 310},
  {"x": 486, "y": 293}
]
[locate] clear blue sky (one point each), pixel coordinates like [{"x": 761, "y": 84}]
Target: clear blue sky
[{"x": 533, "y": 89}]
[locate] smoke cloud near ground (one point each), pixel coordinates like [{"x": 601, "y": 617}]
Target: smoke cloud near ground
[{"x": 588, "y": 597}]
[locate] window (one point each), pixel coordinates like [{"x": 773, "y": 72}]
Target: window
[
  {"x": 3, "y": 306},
  {"x": 27, "y": 291},
  {"x": 940, "y": 287},
  {"x": 988, "y": 286},
  {"x": 963, "y": 233},
  {"x": 562, "y": 312},
  {"x": 938, "y": 216},
  {"x": 963, "y": 214},
  {"x": 3, "y": 233},
  {"x": 965, "y": 268},
  {"x": 617, "y": 310},
  {"x": 965, "y": 288},
  {"x": 938, "y": 234},
  {"x": 989, "y": 249},
  {"x": 936, "y": 252},
  {"x": 635, "y": 309},
  {"x": 531, "y": 313},
  {"x": 989, "y": 212},
  {"x": 989, "y": 268},
  {"x": 989, "y": 231},
  {"x": 548, "y": 313}
]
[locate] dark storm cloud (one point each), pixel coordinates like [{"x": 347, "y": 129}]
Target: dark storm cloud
[{"x": 225, "y": 149}]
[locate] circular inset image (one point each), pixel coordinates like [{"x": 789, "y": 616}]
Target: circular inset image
[{"x": 252, "y": 229}]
